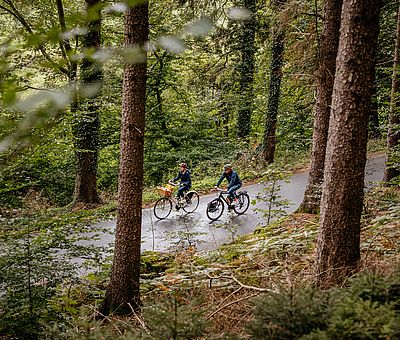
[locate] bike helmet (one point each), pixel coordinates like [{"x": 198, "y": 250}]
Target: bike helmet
[
  {"x": 227, "y": 166},
  {"x": 183, "y": 165}
]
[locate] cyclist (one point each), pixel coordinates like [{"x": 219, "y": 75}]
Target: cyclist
[
  {"x": 185, "y": 181},
  {"x": 233, "y": 179}
]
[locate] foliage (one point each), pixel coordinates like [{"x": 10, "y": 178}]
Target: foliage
[
  {"x": 178, "y": 316},
  {"x": 366, "y": 309},
  {"x": 192, "y": 97},
  {"x": 289, "y": 314},
  {"x": 275, "y": 206},
  {"x": 40, "y": 254}
]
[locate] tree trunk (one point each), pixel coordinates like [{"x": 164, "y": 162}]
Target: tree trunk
[
  {"x": 247, "y": 71},
  {"x": 374, "y": 132},
  {"x": 158, "y": 87},
  {"x": 86, "y": 126},
  {"x": 325, "y": 79},
  {"x": 338, "y": 245},
  {"x": 274, "y": 92},
  {"x": 123, "y": 289},
  {"x": 393, "y": 138}
]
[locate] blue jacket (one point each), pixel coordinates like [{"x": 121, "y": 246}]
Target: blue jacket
[
  {"x": 185, "y": 178},
  {"x": 233, "y": 179}
]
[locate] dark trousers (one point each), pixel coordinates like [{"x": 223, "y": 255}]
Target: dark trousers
[
  {"x": 231, "y": 191},
  {"x": 181, "y": 190}
]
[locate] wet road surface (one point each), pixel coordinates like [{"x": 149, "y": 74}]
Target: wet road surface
[{"x": 181, "y": 229}]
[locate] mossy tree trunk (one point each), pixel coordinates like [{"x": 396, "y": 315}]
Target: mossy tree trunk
[
  {"x": 87, "y": 123},
  {"x": 278, "y": 39},
  {"x": 123, "y": 290},
  {"x": 248, "y": 50},
  {"x": 325, "y": 79},
  {"x": 338, "y": 245}
]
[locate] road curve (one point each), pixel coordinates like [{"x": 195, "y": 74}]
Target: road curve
[{"x": 181, "y": 229}]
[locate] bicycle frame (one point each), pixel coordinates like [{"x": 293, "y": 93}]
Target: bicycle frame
[
  {"x": 188, "y": 203},
  {"x": 215, "y": 208},
  {"x": 223, "y": 194}
]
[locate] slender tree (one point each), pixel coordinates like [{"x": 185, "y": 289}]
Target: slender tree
[
  {"x": 123, "y": 290},
  {"x": 87, "y": 122},
  {"x": 393, "y": 137},
  {"x": 325, "y": 78},
  {"x": 338, "y": 245},
  {"x": 278, "y": 37},
  {"x": 374, "y": 131},
  {"x": 246, "y": 67}
]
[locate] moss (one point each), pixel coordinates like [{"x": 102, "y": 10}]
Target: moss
[{"x": 154, "y": 263}]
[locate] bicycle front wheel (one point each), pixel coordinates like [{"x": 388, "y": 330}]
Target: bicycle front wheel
[
  {"x": 192, "y": 201},
  {"x": 243, "y": 203},
  {"x": 162, "y": 208},
  {"x": 215, "y": 209}
]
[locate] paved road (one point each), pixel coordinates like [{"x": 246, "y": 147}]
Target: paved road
[{"x": 181, "y": 229}]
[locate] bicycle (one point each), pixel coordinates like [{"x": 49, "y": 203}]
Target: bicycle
[
  {"x": 163, "y": 207},
  {"x": 216, "y": 207}
]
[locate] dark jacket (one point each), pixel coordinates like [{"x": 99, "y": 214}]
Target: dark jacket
[
  {"x": 185, "y": 178},
  {"x": 233, "y": 179}
]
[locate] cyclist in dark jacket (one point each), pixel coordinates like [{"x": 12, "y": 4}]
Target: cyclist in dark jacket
[
  {"x": 185, "y": 181},
  {"x": 233, "y": 179}
]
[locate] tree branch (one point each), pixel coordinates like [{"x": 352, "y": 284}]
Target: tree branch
[{"x": 14, "y": 12}]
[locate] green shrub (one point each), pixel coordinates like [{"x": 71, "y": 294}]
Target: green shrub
[
  {"x": 368, "y": 308},
  {"x": 289, "y": 314}
]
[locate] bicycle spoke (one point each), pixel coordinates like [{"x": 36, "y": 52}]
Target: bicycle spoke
[
  {"x": 215, "y": 209},
  {"x": 162, "y": 208}
]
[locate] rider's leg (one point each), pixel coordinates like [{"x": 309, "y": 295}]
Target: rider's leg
[
  {"x": 181, "y": 190},
  {"x": 232, "y": 192}
]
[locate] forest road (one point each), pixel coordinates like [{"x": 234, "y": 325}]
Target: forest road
[{"x": 181, "y": 229}]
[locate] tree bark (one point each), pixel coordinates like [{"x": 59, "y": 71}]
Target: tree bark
[
  {"x": 87, "y": 124},
  {"x": 278, "y": 37},
  {"x": 325, "y": 79},
  {"x": 374, "y": 131},
  {"x": 338, "y": 245},
  {"x": 123, "y": 289},
  {"x": 392, "y": 169},
  {"x": 247, "y": 71}
]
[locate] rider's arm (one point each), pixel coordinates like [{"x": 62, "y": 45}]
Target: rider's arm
[
  {"x": 220, "y": 179},
  {"x": 185, "y": 179},
  {"x": 177, "y": 177}
]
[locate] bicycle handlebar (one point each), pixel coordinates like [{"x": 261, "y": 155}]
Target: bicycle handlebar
[
  {"x": 222, "y": 190},
  {"x": 173, "y": 183}
]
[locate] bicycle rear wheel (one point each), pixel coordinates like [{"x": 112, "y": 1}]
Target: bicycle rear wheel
[
  {"x": 192, "y": 201},
  {"x": 162, "y": 208},
  {"x": 215, "y": 209},
  {"x": 243, "y": 203}
]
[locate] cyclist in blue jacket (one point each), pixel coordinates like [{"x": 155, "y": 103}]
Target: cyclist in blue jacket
[
  {"x": 185, "y": 181},
  {"x": 233, "y": 179}
]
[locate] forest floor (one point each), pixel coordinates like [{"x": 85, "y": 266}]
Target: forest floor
[
  {"x": 218, "y": 290},
  {"x": 214, "y": 293}
]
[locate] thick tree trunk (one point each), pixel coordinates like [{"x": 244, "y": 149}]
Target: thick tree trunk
[
  {"x": 274, "y": 92},
  {"x": 325, "y": 78},
  {"x": 393, "y": 138},
  {"x": 86, "y": 127},
  {"x": 338, "y": 245},
  {"x": 123, "y": 289},
  {"x": 247, "y": 71}
]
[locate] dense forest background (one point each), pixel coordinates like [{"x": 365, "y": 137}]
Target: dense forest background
[
  {"x": 193, "y": 92},
  {"x": 227, "y": 82}
]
